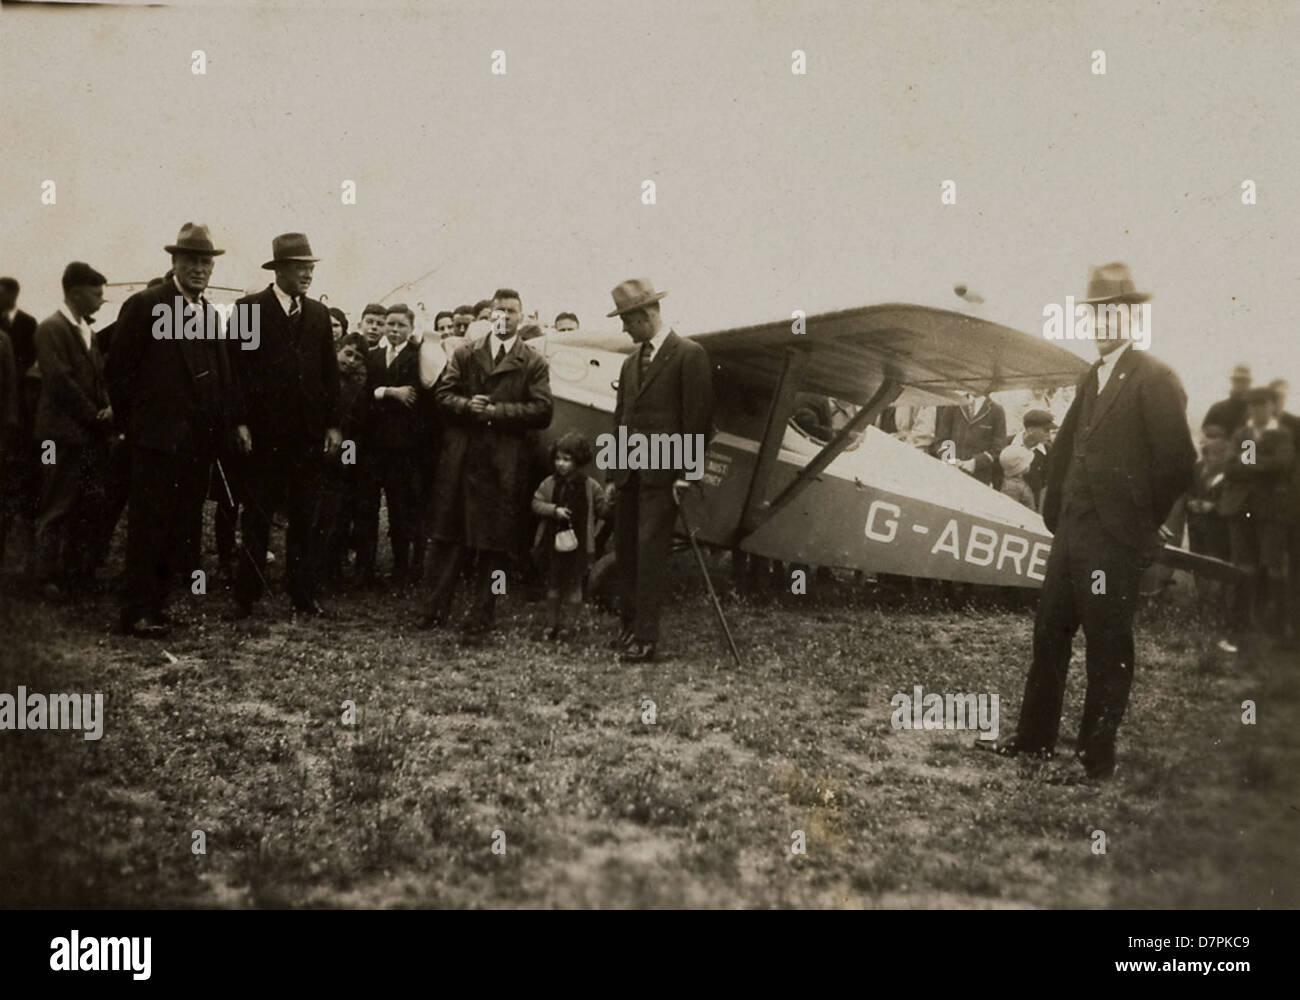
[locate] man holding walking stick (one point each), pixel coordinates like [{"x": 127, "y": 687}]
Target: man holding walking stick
[{"x": 665, "y": 387}]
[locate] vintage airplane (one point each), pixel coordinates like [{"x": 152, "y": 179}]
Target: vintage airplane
[{"x": 857, "y": 498}]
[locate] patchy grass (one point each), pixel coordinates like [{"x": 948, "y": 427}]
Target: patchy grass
[{"x": 238, "y": 733}]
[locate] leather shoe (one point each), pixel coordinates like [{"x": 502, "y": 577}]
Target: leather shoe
[
  {"x": 146, "y": 628},
  {"x": 624, "y": 639},
  {"x": 311, "y": 608},
  {"x": 1099, "y": 765},
  {"x": 637, "y": 652},
  {"x": 1014, "y": 746}
]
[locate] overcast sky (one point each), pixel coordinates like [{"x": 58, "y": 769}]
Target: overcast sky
[{"x": 774, "y": 191}]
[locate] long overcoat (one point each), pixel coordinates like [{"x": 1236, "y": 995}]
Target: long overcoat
[{"x": 481, "y": 493}]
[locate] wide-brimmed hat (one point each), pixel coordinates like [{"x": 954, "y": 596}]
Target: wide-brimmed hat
[
  {"x": 289, "y": 246},
  {"x": 633, "y": 294},
  {"x": 194, "y": 238},
  {"x": 1113, "y": 283}
]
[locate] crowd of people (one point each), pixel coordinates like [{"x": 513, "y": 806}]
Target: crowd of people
[
  {"x": 1244, "y": 507},
  {"x": 285, "y": 415}
]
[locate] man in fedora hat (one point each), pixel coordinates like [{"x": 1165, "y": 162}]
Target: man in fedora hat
[
  {"x": 664, "y": 387},
  {"x": 1230, "y": 413},
  {"x": 1122, "y": 458},
  {"x": 290, "y": 388},
  {"x": 178, "y": 401}
]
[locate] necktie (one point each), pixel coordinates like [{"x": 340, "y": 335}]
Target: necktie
[
  {"x": 1090, "y": 391},
  {"x": 647, "y": 349},
  {"x": 295, "y": 310},
  {"x": 501, "y": 353}
]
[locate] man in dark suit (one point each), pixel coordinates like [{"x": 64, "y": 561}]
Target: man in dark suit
[
  {"x": 1122, "y": 458},
  {"x": 1256, "y": 502},
  {"x": 971, "y": 436},
  {"x": 20, "y": 477},
  {"x": 290, "y": 388},
  {"x": 1230, "y": 413},
  {"x": 665, "y": 387},
  {"x": 493, "y": 397},
  {"x": 20, "y": 326},
  {"x": 1281, "y": 389},
  {"x": 8, "y": 403},
  {"x": 73, "y": 415},
  {"x": 177, "y": 399},
  {"x": 390, "y": 459}
]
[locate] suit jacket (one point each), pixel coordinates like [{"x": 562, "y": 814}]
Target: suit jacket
[
  {"x": 1036, "y": 477},
  {"x": 480, "y": 495},
  {"x": 1261, "y": 487},
  {"x": 392, "y": 424},
  {"x": 73, "y": 389},
  {"x": 22, "y": 336},
  {"x": 980, "y": 437},
  {"x": 676, "y": 397},
  {"x": 1228, "y": 413},
  {"x": 290, "y": 383},
  {"x": 8, "y": 392},
  {"x": 1139, "y": 453},
  {"x": 168, "y": 393},
  {"x": 1292, "y": 423}
]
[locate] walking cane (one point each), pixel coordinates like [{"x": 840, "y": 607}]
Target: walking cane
[
  {"x": 225, "y": 485},
  {"x": 704, "y": 571}
]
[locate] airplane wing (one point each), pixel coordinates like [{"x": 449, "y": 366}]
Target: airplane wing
[{"x": 931, "y": 352}]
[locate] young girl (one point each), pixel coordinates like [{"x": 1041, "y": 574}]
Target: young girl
[{"x": 568, "y": 499}]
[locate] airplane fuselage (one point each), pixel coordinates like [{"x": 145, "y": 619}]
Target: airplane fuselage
[{"x": 881, "y": 506}]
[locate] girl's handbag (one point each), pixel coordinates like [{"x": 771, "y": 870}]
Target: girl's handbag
[{"x": 566, "y": 540}]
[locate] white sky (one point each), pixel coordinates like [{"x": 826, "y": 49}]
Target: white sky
[{"x": 775, "y": 192}]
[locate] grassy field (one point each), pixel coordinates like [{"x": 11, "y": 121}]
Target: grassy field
[{"x": 235, "y": 729}]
